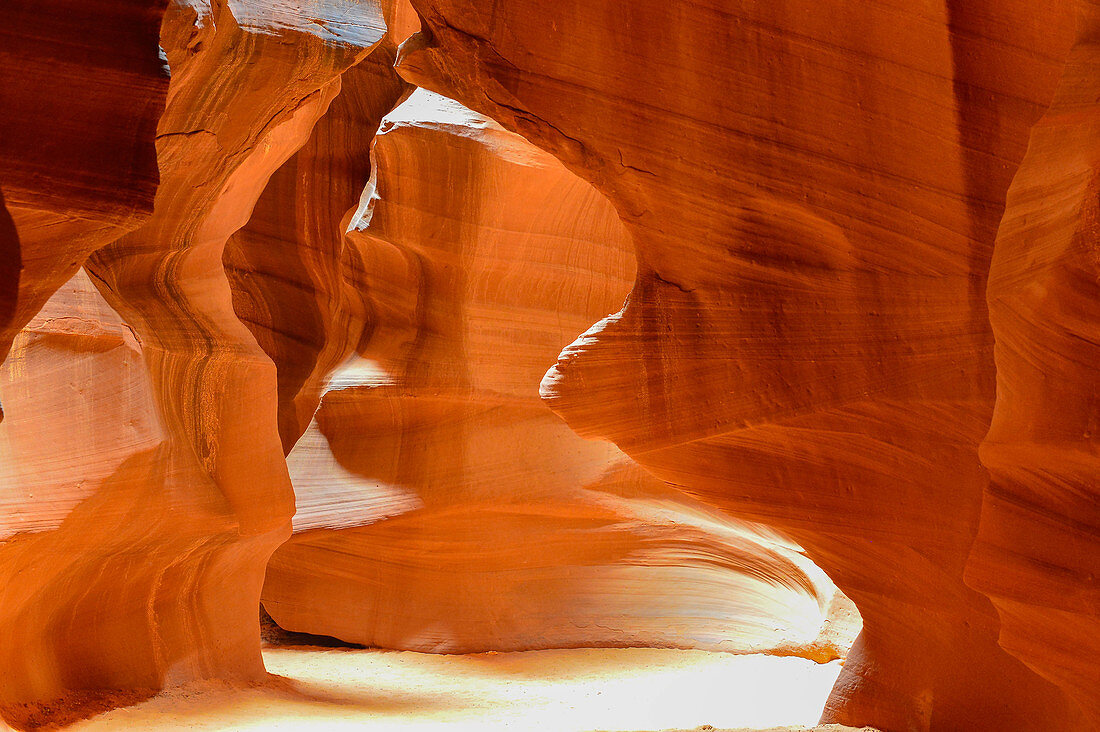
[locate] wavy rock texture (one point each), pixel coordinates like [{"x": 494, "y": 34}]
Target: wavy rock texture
[
  {"x": 1038, "y": 554},
  {"x": 441, "y": 505},
  {"x": 82, "y": 86},
  {"x": 814, "y": 190},
  {"x": 295, "y": 282},
  {"x": 155, "y": 575},
  {"x": 77, "y": 496}
]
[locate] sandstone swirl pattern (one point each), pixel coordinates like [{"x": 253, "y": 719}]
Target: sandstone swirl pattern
[
  {"x": 813, "y": 189},
  {"x": 1038, "y": 550},
  {"x": 296, "y": 282},
  {"x": 857, "y": 243},
  {"x": 441, "y": 505},
  {"x": 82, "y": 86},
  {"x": 154, "y": 577}
]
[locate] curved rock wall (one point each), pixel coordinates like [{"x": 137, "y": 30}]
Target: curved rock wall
[
  {"x": 80, "y": 498},
  {"x": 441, "y": 506},
  {"x": 294, "y": 278},
  {"x": 813, "y": 189},
  {"x": 153, "y": 576},
  {"x": 132, "y": 554},
  {"x": 837, "y": 328},
  {"x": 1038, "y": 549},
  {"x": 243, "y": 99},
  {"x": 82, "y": 86}
]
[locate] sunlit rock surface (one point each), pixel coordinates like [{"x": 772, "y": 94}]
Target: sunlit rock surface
[
  {"x": 296, "y": 283},
  {"x": 153, "y": 574},
  {"x": 814, "y": 190},
  {"x": 857, "y": 247},
  {"x": 441, "y": 505}
]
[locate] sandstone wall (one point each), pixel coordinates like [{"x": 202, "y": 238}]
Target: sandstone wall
[
  {"x": 814, "y": 190},
  {"x": 1038, "y": 554},
  {"x": 441, "y": 506},
  {"x": 82, "y": 86},
  {"x": 857, "y": 245},
  {"x": 148, "y": 571}
]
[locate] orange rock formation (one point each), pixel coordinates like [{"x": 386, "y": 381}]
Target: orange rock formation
[
  {"x": 296, "y": 283},
  {"x": 441, "y": 506},
  {"x": 81, "y": 86},
  {"x": 813, "y": 189},
  {"x": 862, "y": 313},
  {"x": 154, "y": 576},
  {"x": 1037, "y": 554}
]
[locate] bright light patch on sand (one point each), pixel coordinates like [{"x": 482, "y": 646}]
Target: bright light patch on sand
[{"x": 564, "y": 691}]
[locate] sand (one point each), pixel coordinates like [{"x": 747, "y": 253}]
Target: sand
[{"x": 564, "y": 691}]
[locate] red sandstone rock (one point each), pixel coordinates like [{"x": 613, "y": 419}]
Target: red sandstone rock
[
  {"x": 813, "y": 189},
  {"x": 82, "y": 86},
  {"x": 441, "y": 506},
  {"x": 1038, "y": 550},
  {"x": 154, "y": 577},
  {"x": 296, "y": 284},
  {"x": 80, "y": 504}
]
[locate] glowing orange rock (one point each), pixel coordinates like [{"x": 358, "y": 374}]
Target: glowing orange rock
[
  {"x": 81, "y": 99},
  {"x": 148, "y": 571},
  {"x": 1038, "y": 549},
  {"x": 441, "y": 505},
  {"x": 296, "y": 283},
  {"x": 813, "y": 189}
]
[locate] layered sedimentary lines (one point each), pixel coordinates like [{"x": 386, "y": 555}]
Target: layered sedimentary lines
[
  {"x": 154, "y": 575},
  {"x": 441, "y": 506},
  {"x": 76, "y": 358},
  {"x": 827, "y": 266},
  {"x": 1038, "y": 550},
  {"x": 807, "y": 342},
  {"x": 82, "y": 86},
  {"x": 296, "y": 284}
]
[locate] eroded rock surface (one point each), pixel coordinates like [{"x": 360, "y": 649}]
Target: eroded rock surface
[
  {"x": 296, "y": 283},
  {"x": 82, "y": 86},
  {"x": 836, "y": 327},
  {"x": 813, "y": 190},
  {"x": 1038, "y": 550},
  {"x": 153, "y": 577},
  {"x": 441, "y": 505}
]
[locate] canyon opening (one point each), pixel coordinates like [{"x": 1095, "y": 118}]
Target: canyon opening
[{"x": 570, "y": 365}]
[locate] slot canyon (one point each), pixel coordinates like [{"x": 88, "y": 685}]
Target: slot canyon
[{"x": 566, "y": 365}]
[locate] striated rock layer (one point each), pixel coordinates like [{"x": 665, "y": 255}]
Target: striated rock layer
[
  {"x": 79, "y": 493},
  {"x": 441, "y": 505},
  {"x": 813, "y": 189},
  {"x": 863, "y": 313},
  {"x": 150, "y": 573},
  {"x": 1038, "y": 550},
  {"x": 82, "y": 86},
  {"x": 295, "y": 281}
]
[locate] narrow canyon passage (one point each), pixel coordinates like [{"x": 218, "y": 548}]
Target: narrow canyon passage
[
  {"x": 549, "y": 364},
  {"x": 440, "y": 505}
]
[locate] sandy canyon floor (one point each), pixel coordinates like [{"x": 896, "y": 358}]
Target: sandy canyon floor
[{"x": 317, "y": 688}]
